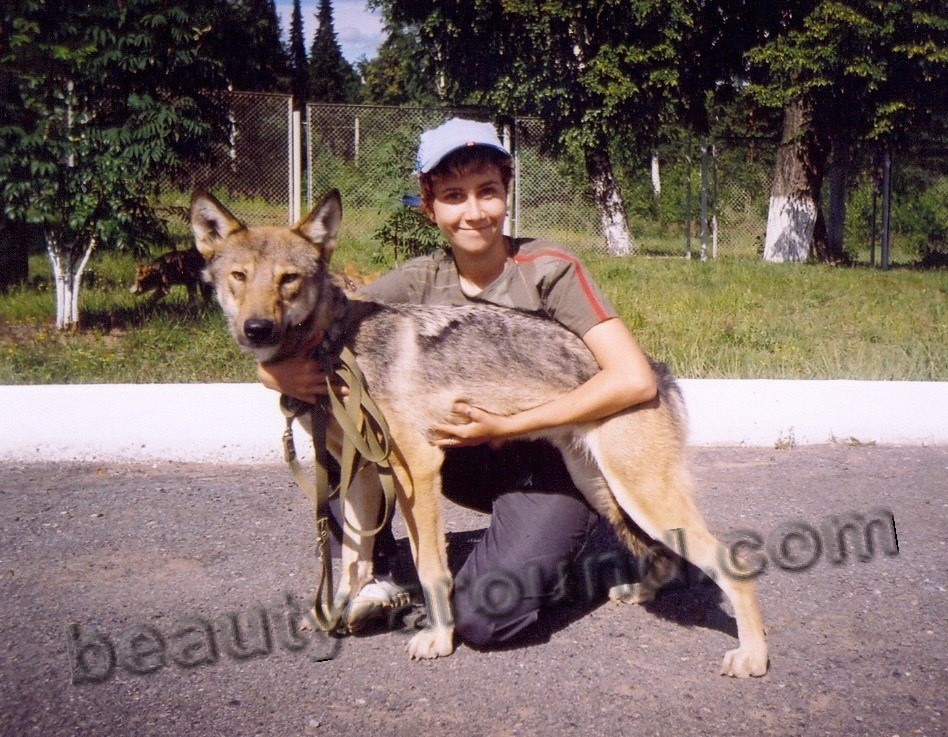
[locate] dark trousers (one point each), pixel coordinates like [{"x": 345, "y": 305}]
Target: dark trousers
[{"x": 539, "y": 522}]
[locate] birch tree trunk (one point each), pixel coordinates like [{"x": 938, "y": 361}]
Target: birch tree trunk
[
  {"x": 795, "y": 226},
  {"x": 68, "y": 265},
  {"x": 608, "y": 199},
  {"x": 656, "y": 175}
]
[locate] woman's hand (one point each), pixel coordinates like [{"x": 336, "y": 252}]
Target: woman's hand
[
  {"x": 479, "y": 427},
  {"x": 624, "y": 380},
  {"x": 301, "y": 378}
]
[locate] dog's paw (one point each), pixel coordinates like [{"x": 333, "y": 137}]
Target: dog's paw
[
  {"x": 631, "y": 593},
  {"x": 432, "y": 642},
  {"x": 746, "y": 661}
]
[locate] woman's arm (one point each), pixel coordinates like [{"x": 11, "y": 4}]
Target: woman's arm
[{"x": 625, "y": 379}]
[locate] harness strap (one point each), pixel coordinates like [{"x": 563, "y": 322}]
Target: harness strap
[{"x": 365, "y": 439}]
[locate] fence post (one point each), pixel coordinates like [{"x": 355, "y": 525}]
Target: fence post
[
  {"x": 356, "y": 132},
  {"x": 508, "y": 138},
  {"x": 714, "y": 201},
  {"x": 704, "y": 199},
  {"x": 886, "y": 204},
  {"x": 296, "y": 166},
  {"x": 309, "y": 157},
  {"x": 688, "y": 199}
]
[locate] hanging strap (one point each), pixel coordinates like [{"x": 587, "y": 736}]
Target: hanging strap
[{"x": 365, "y": 439}]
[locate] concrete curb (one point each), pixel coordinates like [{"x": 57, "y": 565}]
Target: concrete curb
[{"x": 241, "y": 422}]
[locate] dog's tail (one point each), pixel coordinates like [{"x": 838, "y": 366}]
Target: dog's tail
[{"x": 629, "y": 533}]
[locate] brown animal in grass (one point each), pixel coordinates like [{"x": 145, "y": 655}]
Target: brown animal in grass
[{"x": 174, "y": 267}]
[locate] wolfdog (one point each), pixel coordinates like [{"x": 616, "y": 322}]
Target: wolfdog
[
  {"x": 279, "y": 299},
  {"x": 174, "y": 267}
]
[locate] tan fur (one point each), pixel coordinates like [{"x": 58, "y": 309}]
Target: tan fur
[{"x": 280, "y": 299}]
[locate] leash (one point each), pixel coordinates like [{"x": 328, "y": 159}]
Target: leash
[{"x": 365, "y": 440}]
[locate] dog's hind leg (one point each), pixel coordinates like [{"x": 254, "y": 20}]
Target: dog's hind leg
[
  {"x": 417, "y": 468},
  {"x": 589, "y": 480},
  {"x": 651, "y": 483}
]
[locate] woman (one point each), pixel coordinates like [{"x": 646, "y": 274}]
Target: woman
[{"x": 539, "y": 519}]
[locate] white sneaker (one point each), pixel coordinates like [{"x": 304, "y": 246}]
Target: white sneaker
[{"x": 375, "y": 601}]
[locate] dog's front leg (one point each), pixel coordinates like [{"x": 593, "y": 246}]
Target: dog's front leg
[{"x": 417, "y": 468}]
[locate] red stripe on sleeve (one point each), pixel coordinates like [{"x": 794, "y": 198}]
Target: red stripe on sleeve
[{"x": 597, "y": 307}]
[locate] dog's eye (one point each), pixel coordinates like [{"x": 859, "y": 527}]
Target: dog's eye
[
  {"x": 238, "y": 276},
  {"x": 288, "y": 279}
]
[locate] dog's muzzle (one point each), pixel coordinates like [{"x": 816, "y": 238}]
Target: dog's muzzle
[{"x": 260, "y": 332}]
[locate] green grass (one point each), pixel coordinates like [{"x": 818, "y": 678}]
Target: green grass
[
  {"x": 734, "y": 317},
  {"x": 748, "y": 319}
]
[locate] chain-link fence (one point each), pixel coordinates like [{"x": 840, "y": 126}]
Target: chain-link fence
[
  {"x": 253, "y": 173},
  {"x": 367, "y": 152}
]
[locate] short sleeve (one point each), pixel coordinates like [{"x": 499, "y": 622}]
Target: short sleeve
[
  {"x": 568, "y": 292},
  {"x": 392, "y": 288}
]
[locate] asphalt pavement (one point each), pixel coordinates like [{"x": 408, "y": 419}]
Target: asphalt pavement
[{"x": 155, "y": 599}]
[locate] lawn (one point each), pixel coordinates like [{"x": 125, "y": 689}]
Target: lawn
[{"x": 729, "y": 318}]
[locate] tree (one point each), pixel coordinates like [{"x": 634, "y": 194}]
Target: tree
[
  {"x": 101, "y": 98},
  {"x": 855, "y": 71},
  {"x": 331, "y": 77},
  {"x": 392, "y": 78},
  {"x": 245, "y": 36},
  {"x": 299, "y": 65},
  {"x": 594, "y": 72}
]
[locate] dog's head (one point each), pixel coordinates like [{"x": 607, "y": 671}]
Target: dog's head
[
  {"x": 268, "y": 280},
  {"x": 147, "y": 277}
]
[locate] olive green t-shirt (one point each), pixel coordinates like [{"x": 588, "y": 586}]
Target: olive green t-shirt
[{"x": 540, "y": 277}]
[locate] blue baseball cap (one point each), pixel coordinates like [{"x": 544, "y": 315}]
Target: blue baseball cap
[{"x": 449, "y": 137}]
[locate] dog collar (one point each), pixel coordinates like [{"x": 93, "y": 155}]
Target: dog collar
[{"x": 310, "y": 347}]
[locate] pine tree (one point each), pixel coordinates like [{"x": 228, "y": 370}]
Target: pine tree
[
  {"x": 331, "y": 77},
  {"x": 270, "y": 63},
  {"x": 299, "y": 65}
]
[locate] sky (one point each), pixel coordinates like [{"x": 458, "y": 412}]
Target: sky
[{"x": 358, "y": 29}]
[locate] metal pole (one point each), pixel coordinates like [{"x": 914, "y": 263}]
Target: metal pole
[
  {"x": 309, "y": 157},
  {"x": 704, "y": 199},
  {"x": 688, "y": 199},
  {"x": 356, "y": 135},
  {"x": 297, "y": 169},
  {"x": 714, "y": 201},
  {"x": 872, "y": 229},
  {"x": 886, "y": 205},
  {"x": 290, "y": 209},
  {"x": 511, "y": 197}
]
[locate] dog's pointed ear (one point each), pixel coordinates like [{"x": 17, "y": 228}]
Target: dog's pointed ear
[
  {"x": 321, "y": 226},
  {"x": 211, "y": 223}
]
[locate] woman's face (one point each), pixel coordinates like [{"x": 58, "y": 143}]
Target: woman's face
[{"x": 470, "y": 209}]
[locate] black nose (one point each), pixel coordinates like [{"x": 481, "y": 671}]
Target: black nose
[{"x": 258, "y": 330}]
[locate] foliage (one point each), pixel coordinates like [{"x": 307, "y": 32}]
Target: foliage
[
  {"x": 244, "y": 37},
  {"x": 871, "y": 70},
  {"x": 98, "y": 99},
  {"x": 299, "y": 64},
  {"x": 407, "y": 233},
  {"x": 392, "y": 77},
  {"x": 331, "y": 77},
  {"x": 708, "y": 320}
]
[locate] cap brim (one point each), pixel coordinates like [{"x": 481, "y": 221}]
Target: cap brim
[{"x": 435, "y": 160}]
